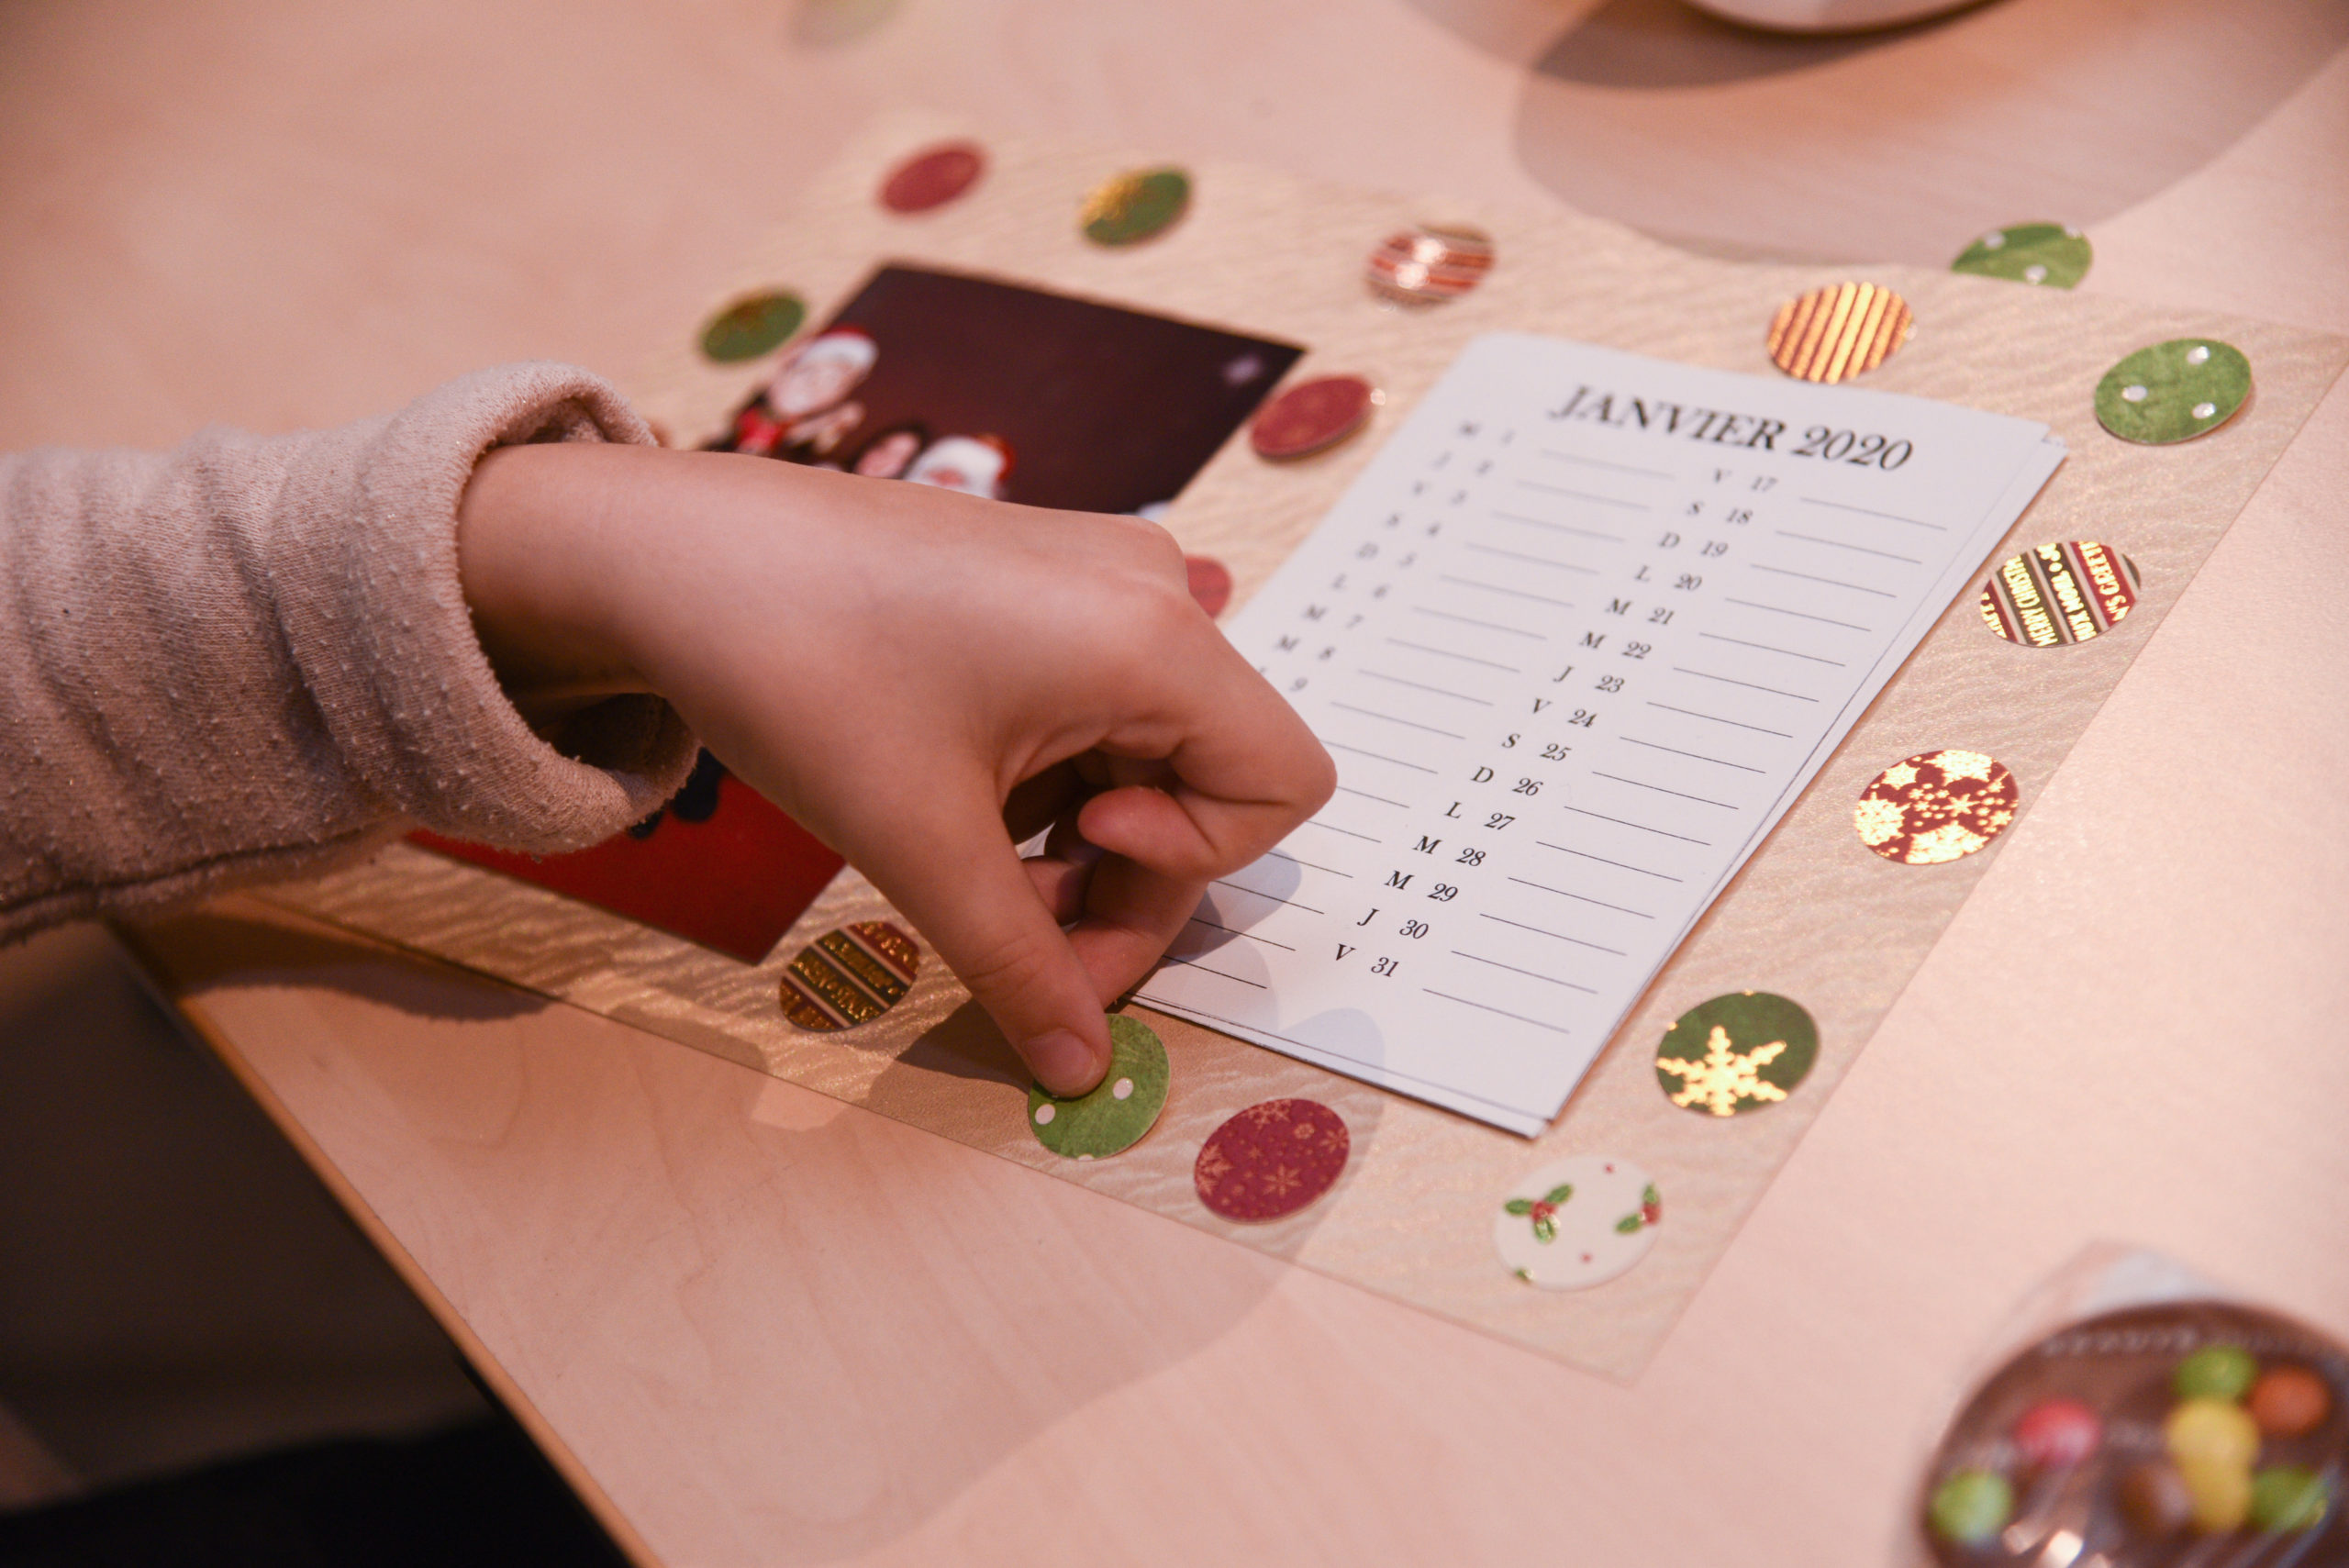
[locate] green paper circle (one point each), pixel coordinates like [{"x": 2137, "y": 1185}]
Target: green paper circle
[
  {"x": 2215, "y": 1372},
  {"x": 1135, "y": 207},
  {"x": 2288, "y": 1498},
  {"x": 2172, "y": 384},
  {"x": 2048, "y": 254},
  {"x": 748, "y": 328},
  {"x": 1727, "y": 1079},
  {"x": 1103, "y": 1123},
  {"x": 1972, "y": 1507}
]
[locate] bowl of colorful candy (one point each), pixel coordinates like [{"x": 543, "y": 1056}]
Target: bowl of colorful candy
[{"x": 2197, "y": 1433}]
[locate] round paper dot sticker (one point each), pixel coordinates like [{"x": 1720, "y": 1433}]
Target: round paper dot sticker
[
  {"x": 1430, "y": 263},
  {"x": 850, "y": 974},
  {"x": 1577, "y": 1223},
  {"x": 1835, "y": 334},
  {"x": 1210, "y": 582},
  {"x": 1272, "y": 1159},
  {"x": 2174, "y": 391},
  {"x": 1936, "y": 807},
  {"x": 1311, "y": 416},
  {"x": 1736, "y": 1053},
  {"x": 1134, "y": 206},
  {"x": 1112, "y": 1119},
  {"x": 749, "y": 327},
  {"x": 2052, "y": 255},
  {"x": 933, "y": 177},
  {"x": 2057, "y": 594}
]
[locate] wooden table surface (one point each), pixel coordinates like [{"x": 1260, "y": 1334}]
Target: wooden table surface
[{"x": 759, "y": 1327}]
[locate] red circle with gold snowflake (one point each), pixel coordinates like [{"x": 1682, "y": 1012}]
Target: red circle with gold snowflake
[
  {"x": 1936, "y": 807},
  {"x": 1272, "y": 1159}
]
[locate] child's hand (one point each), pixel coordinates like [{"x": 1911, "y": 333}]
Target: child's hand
[{"x": 922, "y": 679}]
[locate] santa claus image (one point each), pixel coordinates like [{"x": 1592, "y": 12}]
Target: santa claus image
[
  {"x": 805, "y": 411},
  {"x": 976, "y": 465}
]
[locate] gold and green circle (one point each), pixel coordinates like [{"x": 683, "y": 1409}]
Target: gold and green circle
[
  {"x": 2051, "y": 255},
  {"x": 1134, "y": 206},
  {"x": 1115, "y": 1115},
  {"x": 1736, "y": 1053},
  {"x": 751, "y": 325},
  {"x": 2174, "y": 391}
]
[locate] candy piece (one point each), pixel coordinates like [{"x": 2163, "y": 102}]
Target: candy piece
[
  {"x": 2215, "y": 1372},
  {"x": 2053, "y": 255},
  {"x": 2154, "y": 1500},
  {"x": 1131, "y": 207},
  {"x": 2056, "y": 1434},
  {"x": 1123, "y": 1107},
  {"x": 2211, "y": 1431},
  {"x": 2174, "y": 391},
  {"x": 1972, "y": 1507},
  {"x": 2288, "y": 1496},
  {"x": 2288, "y": 1401},
  {"x": 1835, "y": 334},
  {"x": 2220, "y": 1494}
]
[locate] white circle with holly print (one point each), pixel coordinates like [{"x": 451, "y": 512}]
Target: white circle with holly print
[{"x": 1577, "y": 1223}]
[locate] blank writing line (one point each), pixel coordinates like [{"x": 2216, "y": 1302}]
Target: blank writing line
[
  {"x": 1778, "y": 610},
  {"x": 1642, "y": 784},
  {"x": 1448, "y": 653},
  {"x": 1504, "y": 1012},
  {"x": 1244, "y": 887},
  {"x": 1699, "y": 756},
  {"x": 1584, "y": 495},
  {"x": 1544, "y": 887},
  {"x": 1317, "y": 822},
  {"x": 1338, "y": 746},
  {"x": 1555, "y": 529},
  {"x": 1346, "y": 789},
  {"x": 1423, "y": 686},
  {"x": 1234, "y": 930},
  {"x": 1533, "y": 560},
  {"x": 1602, "y": 860},
  {"x": 1619, "y": 822},
  {"x": 1872, "y": 512},
  {"x": 1528, "y": 973},
  {"x": 1732, "y": 681},
  {"x": 1717, "y": 718},
  {"x": 1512, "y": 593},
  {"x": 1595, "y": 462},
  {"x": 1838, "y": 544},
  {"x": 1405, "y": 723},
  {"x": 1219, "y": 975},
  {"x": 1765, "y": 647},
  {"x": 1831, "y": 582},
  {"x": 1333, "y": 871},
  {"x": 1555, "y": 936},
  {"x": 1472, "y": 620}
]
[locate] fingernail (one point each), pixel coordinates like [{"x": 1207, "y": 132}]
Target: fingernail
[{"x": 1063, "y": 1062}]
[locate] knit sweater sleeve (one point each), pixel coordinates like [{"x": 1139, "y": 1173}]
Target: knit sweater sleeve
[{"x": 250, "y": 658}]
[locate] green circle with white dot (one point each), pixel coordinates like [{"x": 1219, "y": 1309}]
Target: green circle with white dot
[
  {"x": 2174, "y": 391},
  {"x": 1736, "y": 1053},
  {"x": 1113, "y": 1118},
  {"x": 2052, "y": 255}
]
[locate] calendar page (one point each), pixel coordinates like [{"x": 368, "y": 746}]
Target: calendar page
[{"x": 1577, "y": 638}]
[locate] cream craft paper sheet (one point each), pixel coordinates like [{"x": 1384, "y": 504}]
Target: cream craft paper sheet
[{"x": 1813, "y": 915}]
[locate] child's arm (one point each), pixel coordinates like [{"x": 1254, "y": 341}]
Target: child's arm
[{"x": 919, "y": 678}]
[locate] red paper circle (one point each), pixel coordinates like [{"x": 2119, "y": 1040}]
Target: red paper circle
[
  {"x": 1272, "y": 1159},
  {"x": 1210, "y": 582},
  {"x": 932, "y": 177},
  {"x": 1310, "y": 415}
]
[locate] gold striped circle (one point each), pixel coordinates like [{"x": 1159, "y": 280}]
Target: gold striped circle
[{"x": 1835, "y": 334}]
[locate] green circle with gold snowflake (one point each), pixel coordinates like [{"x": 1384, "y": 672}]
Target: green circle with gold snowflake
[
  {"x": 2052, "y": 255},
  {"x": 2174, "y": 391},
  {"x": 1736, "y": 1053},
  {"x": 750, "y": 327},
  {"x": 1123, "y": 1107}
]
